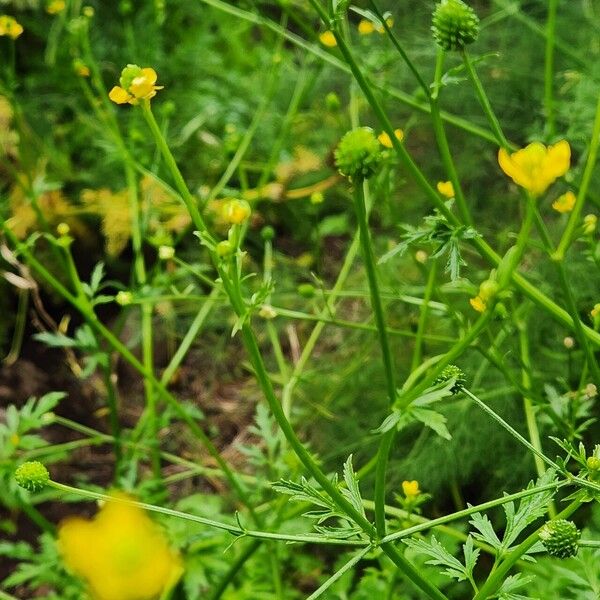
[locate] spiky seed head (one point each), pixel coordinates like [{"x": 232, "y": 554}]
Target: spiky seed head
[
  {"x": 453, "y": 372},
  {"x": 358, "y": 154},
  {"x": 32, "y": 476},
  {"x": 560, "y": 538},
  {"x": 455, "y": 25}
]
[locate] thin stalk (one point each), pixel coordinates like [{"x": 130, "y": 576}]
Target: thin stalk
[
  {"x": 471, "y": 510},
  {"x": 235, "y": 530},
  {"x": 442, "y": 141},
  {"x": 501, "y": 571},
  {"x": 530, "y": 417},
  {"x": 549, "y": 66},
  {"x": 340, "y": 572},
  {"x": 511, "y": 430},
  {"x": 400, "y": 49},
  {"x": 485, "y": 102},
  {"x": 574, "y": 217},
  {"x": 377, "y": 307},
  {"x": 424, "y": 313}
]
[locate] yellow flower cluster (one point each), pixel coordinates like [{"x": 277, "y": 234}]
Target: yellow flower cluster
[
  {"x": 121, "y": 553},
  {"x": 136, "y": 84},
  {"x": 10, "y": 27},
  {"x": 536, "y": 167},
  {"x": 385, "y": 140}
]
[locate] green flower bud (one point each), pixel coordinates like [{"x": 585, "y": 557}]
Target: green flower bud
[
  {"x": 267, "y": 233},
  {"x": 455, "y": 24},
  {"x": 224, "y": 248},
  {"x": 560, "y": 538},
  {"x": 332, "y": 101},
  {"x": 593, "y": 463},
  {"x": 453, "y": 372},
  {"x": 358, "y": 154},
  {"x": 32, "y": 476},
  {"x": 307, "y": 290}
]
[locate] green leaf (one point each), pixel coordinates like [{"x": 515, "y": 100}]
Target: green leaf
[
  {"x": 352, "y": 491},
  {"x": 441, "y": 557},
  {"x": 486, "y": 531},
  {"x": 433, "y": 420}
]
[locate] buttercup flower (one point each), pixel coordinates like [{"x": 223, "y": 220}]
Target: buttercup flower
[
  {"x": 536, "y": 166},
  {"x": 136, "y": 84},
  {"x": 411, "y": 488},
  {"x": 81, "y": 68},
  {"x": 385, "y": 140},
  {"x": 564, "y": 203},
  {"x": 235, "y": 212},
  {"x": 595, "y": 312},
  {"x": 55, "y": 6},
  {"x": 121, "y": 553},
  {"x": 10, "y": 27},
  {"x": 328, "y": 39},
  {"x": 445, "y": 188}
]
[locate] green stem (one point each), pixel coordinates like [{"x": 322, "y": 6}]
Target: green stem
[
  {"x": 574, "y": 217},
  {"x": 442, "y": 141},
  {"x": 511, "y": 430},
  {"x": 484, "y": 101},
  {"x": 340, "y": 572},
  {"x": 424, "y": 313},
  {"x": 377, "y": 307},
  {"x": 549, "y": 66},
  {"x": 499, "y": 574}
]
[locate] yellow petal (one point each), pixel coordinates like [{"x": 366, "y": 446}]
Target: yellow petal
[
  {"x": 565, "y": 203},
  {"x": 478, "y": 304},
  {"x": 328, "y": 39},
  {"x": 365, "y": 27},
  {"x": 446, "y": 188},
  {"x": 150, "y": 74},
  {"x": 384, "y": 139},
  {"x": 119, "y": 95},
  {"x": 558, "y": 159}
]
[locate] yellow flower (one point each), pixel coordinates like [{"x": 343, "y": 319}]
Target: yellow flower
[
  {"x": 411, "y": 488},
  {"x": 10, "y": 27},
  {"x": 235, "y": 212},
  {"x": 121, "y": 553},
  {"x": 385, "y": 140},
  {"x": 136, "y": 84},
  {"x": 328, "y": 39},
  {"x": 56, "y": 6},
  {"x": 478, "y": 304},
  {"x": 445, "y": 188},
  {"x": 536, "y": 166},
  {"x": 366, "y": 27},
  {"x": 389, "y": 22},
  {"x": 565, "y": 203},
  {"x": 595, "y": 312}
]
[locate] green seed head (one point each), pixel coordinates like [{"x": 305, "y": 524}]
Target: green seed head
[
  {"x": 128, "y": 74},
  {"x": 32, "y": 476},
  {"x": 560, "y": 538},
  {"x": 453, "y": 372},
  {"x": 358, "y": 154},
  {"x": 455, "y": 24}
]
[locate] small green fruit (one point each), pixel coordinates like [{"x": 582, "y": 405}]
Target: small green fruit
[
  {"x": 453, "y": 372},
  {"x": 455, "y": 25},
  {"x": 358, "y": 154},
  {"x": 32, "y": 476},
  {"x": 560, "y": 538}
]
